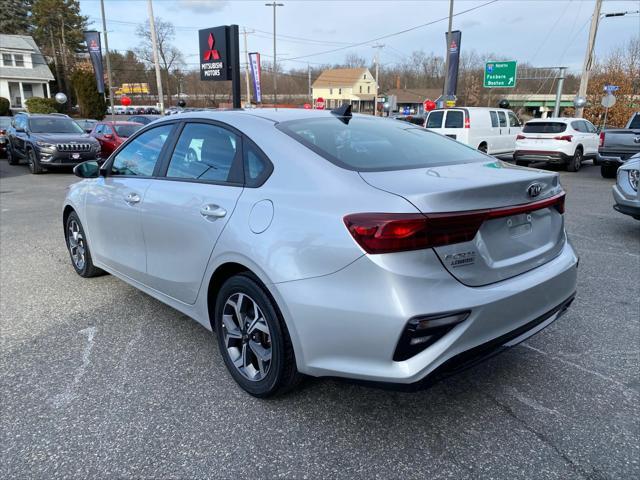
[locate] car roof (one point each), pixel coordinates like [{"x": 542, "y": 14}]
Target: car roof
[
  {"x": 119, "y": 122},
  {"x": 274, "y": 115}
]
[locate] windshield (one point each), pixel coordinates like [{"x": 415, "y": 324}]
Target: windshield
[
  {"x": 369, "y": 145},
  {"x": 54, "y": 125},
  {"x": 544, "y": 127},
  {"x": 127, "y": 130},
  {"x": 5, "y": 122}
]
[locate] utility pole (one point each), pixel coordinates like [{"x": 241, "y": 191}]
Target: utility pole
[
  {"x": 588, "y": 56},
  {"x": 556, "y": 108},
  {"x": 246, "y": 70},
  {"x": 154, "y": 43},
  {"x": 275, "y": 58},
  {"x": 377, "y": 46},
  {"x": 446, "y": 55},
  {"x": 309, "y": 83},
  {"x": 106, "y": 49}
]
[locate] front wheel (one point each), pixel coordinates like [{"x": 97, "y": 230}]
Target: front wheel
[
  {"x": 34, "y": 163},
  {"x": 575, "y": 162},
  {"x": 252, "y": 338},
  {"x": 79, "y": 248},
  {"x": 11, "y": 157},
  {"x": 608, "y": 171}
]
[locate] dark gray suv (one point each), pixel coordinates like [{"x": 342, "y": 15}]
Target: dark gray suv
[{"x": 46, "y": 141}]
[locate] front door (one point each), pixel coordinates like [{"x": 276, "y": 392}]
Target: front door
[
  {"x": 184, "y": 214},
  {"x": 113, "y": 204}
]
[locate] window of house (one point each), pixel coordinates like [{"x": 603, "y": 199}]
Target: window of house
[
  {"x": 368, "y": 89},
  {"x": 27, "y": 88},
  {"x": 339, "y": 91},
  {"x": 7, "y": 60},
  {"x": 360, "y": 88},
  {"x": 19, "y": 59},
  {"x": 365, "y": 76},
  {"x": 331, "y": 91}
]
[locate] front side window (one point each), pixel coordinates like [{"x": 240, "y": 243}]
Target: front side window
[
  {"x": 107, "y": 130},
  {"x": 513, "y": 120},
  {"x": 502, "y": 118},
  {"x": 369, "y": 145},
  {"x": 139, "y": 157},
  {"x": 435, "y": 119},
  {"x": 494, "y": 119},
  {"x": 590, "y": 127},
  {"x": 204, "y": 152},
  {"x": 455, "y": 119},
  {"x": 98, "y": 130}
]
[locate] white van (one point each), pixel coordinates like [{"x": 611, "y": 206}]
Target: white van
[{"x": 490, "y": 130}]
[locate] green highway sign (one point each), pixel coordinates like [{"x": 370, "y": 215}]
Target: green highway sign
[{"x": 500, "y": 74}]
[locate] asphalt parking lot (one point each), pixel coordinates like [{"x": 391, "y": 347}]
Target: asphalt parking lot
[{"x": 98, "y": 380}]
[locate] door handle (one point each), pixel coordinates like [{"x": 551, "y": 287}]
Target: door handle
[
  {"x": 212, "y": 211},
  {"x": 132, "y": 198}
]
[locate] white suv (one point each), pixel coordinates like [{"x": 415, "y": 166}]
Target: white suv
[{"x": 566, "y": 141}]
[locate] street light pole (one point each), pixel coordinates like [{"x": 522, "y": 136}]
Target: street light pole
[
  {"x": 588, "y": 56},
  {"x": 377, "y": 46},
  {"x": 556, "y": 107},
  {"x": 446, "y": 55},
  {"x": 275, "y": 67},
  {"x": 154, "y": 44},
  {"x": 106, "y": 49}
]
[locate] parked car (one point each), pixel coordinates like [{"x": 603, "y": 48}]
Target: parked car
[
  {"x": 48, "y": 141},
  {"x": 625, "y": 191},
  {"x": 113, "y": 134},
  {"x": 144, "y": 119},
  {"x": 490, "y": 130},
  {"x": 617, "y": 145},
  {"x": 270, "y": 239},
  {"x": 5, "y": 124},
  {"x": 151, "y": 111},
  {"x": 87, "y": 124},
  {"x": 130, "y": 111},
  {"x": 563, "y": 141}
]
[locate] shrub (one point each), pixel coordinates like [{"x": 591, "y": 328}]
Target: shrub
[
  {"x": 41, "y": 105},
  {"x": 91, "y": 103},
  {"x": 4, "y": 106}
]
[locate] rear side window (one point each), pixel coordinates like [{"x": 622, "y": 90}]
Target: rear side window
[
  {"x": 578, "y": 126},
  {"x": 544, "y": 127},
  {"x": 370, "y": 145},
  {"x": 435, "y": 119},
  {"x": 635, "y": 122},
  {"x": 503, "y": 119},
  {"x": 494, "y": 119},
  {"x": 140, "y": 156},
  {"x": 204, "y": 152},
  {"x": 455, "y": 119},
  {"x": 257, "y": 167}
]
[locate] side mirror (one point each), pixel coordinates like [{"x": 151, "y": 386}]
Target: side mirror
[
  {"x": 108, "y": 136},
  {"x": 88, "y": 169}
]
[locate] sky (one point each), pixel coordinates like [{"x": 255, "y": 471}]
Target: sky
[{"x": 543, "y": 33}]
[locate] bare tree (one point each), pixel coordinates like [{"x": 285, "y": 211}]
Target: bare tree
[
  {"x": 353, "y": 60},
  {"x": 170, "y": 58}
]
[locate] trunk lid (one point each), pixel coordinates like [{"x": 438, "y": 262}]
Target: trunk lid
[{"x": 503, "y": 247}]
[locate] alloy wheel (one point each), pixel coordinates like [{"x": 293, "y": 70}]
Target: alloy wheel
[
  {"x": 246, "y": 336},
  {"x": 76, "y": 244}
]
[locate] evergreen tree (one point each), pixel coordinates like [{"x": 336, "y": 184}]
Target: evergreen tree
[
  {"x": 91, "y": 103},
  {"x": 15, "y": 17}
]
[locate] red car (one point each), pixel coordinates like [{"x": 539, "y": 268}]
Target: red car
[{"x": 112, "y": 134}]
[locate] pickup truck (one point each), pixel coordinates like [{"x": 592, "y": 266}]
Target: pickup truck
[{"x": 618, "y": 145}]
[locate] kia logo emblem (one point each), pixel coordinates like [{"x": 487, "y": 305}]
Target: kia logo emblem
[{"x": 534, "y": 189}]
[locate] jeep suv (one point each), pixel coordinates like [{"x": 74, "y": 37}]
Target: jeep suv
[{"x": 46, "y": 141}]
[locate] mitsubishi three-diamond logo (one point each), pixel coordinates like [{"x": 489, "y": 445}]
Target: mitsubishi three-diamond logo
[{"x": 212, "y": 53}]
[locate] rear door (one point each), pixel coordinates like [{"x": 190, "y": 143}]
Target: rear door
[
  {"x": 434, "y": 121},
  {"x": 494, "y": 138},
  {"x": 593, "y": 138},
  {"x": 454, "y": 125},
  {"x": 186, "y": 210},
  {"x": 113, "y": 203}
]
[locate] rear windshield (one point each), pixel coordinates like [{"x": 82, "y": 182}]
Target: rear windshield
[
  {"x": 435, "y": 119},
  {"x": 635, "y": 122},
  {"x": 127, "y": 130},
  {"x": 54, "y": 125},
  {"x": 455, "y": 119},
  {"x": 544, "y": 127},
  {"x": 371, "y": 145}
]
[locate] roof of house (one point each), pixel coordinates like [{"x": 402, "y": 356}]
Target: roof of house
[
  {"x": 414, "y": 95},
  {"x": 40, "y": 70},
  {"x": 340, "y": 77}
]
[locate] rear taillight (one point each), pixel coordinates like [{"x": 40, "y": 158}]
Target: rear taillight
[
  {"x": 467, "y": 122},
  {"x": 399, "y": 232},
  {"x": 602, "y": 139},
  {"x": 567, "y": 138},
  {"x": 520, "y": 137}
]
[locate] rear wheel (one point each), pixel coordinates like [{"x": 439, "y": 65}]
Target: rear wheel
[
  {"x": 576, "y": 161},
  {"x": 34, "y": 163},
  {"x": 483, "y": 147},
  {"x": 608, "y": 171},
  {"x": 252, "y": 338},
  {"x": 79, "y": 248}
]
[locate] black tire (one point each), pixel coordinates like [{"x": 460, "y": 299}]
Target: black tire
[
  {"x": 608, "y": 171},
  {"x": 483, "y": 148},
  {"x": 575, "y": 162},
  {"x": 86, "y": 268},
  {"x": 34, "y": 163},
  {"x": 281, "y": 374},
  {"x": 11, "y": 157},
  {"x": 596, "y": 162}
]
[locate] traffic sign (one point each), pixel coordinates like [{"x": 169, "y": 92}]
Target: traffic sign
[
  {"x": 608, "y": 101},
  {"x": 611, "y": 88},
  {"x": 500, "y": 74},
  {"x": 320, "y": 103}
]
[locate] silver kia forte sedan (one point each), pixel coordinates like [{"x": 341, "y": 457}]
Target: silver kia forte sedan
[{"x": 327, "y": 244}]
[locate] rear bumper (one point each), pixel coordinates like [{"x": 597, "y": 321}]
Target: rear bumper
[
  {"x": 548, "y": 156},
  {"x": 348, "y": 324}
]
